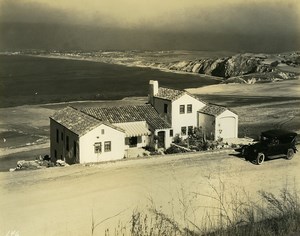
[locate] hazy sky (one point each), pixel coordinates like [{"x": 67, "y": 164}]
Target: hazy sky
[{"x": 240, "y": 25}]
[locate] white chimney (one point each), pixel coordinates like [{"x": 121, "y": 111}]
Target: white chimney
[{"x": 153, "y": 90}]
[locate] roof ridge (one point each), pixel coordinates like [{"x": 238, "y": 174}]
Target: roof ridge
[
  {"x": 214, "y": 104},
  {"x": 172, "y": 88},
  {"x": 116, "y": 106}
]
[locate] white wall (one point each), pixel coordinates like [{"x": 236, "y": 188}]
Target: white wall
[
  {"x": 227, "y": 125},
  {"x": 186, "y": 119},
  {"x": 168, "y": 138},
  {"x": 87, "y": 151}
]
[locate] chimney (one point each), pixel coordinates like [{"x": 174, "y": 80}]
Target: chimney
[{"x": 153, "y": 90}]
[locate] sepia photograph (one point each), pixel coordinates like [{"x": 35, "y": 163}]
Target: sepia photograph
[{"x": 149, "y": 117}]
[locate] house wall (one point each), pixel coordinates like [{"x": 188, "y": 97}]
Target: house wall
[
  {"x": 159, "y": 104},
  {"x": 87, "y": 145},
  {"x": 187, "y": 119},
  {"x": 168, "y": 138},
  {"x": 143, "y": 141},
  {"x": 66, "y": 147},
  {"x": 227, "y": 125},
  {"x": 208, "y": 125}
]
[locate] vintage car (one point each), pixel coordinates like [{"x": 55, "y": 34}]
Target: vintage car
[{"x": 272, "y": 144}]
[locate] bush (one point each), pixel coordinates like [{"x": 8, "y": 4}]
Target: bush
[
  {"x": 149, "y": 148},
  {"x": 177, "y": 139},
  {"x": 173, "y": 149}
]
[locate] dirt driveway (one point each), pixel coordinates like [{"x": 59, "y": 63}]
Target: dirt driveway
[{"x": 60, "y": 201}]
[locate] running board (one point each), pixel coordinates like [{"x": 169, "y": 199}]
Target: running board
[{"x": 276, "y": 156}]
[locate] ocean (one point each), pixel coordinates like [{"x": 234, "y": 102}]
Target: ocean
[{"x": 35, "y": 77}]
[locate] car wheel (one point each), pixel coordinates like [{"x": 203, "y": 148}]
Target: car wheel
[
  {"x": 290, "y": 154},
  {"x": 260, "y": 158}
]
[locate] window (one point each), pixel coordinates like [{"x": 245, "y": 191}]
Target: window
[
  {"x": 57, "y": 135},
  {"x": 171, "y": 133},
  {"x": 55, "y": 154},
  {"x": 165, "y": 108},
  {"x": 107, "y": 146},
  {"x": 183, "y": 130},
  {"x": 67, "y": 143},
  {"x": 190, "y": 130},
  {"x": 97, "y": 147},
  {"x": 133, "y": 141},
  {"x": 189, "y": 108},
  {"x": 62, "y": 136},
  {"x": 181, "y": 109},
  {"x": 102, "y": 131},
  {"x": 74, "y": 148}
]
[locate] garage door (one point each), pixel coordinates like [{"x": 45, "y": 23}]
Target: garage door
[{"x": 228, "y": 127}]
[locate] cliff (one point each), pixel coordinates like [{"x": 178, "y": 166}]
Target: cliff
[{"x": 240, "y": 68}]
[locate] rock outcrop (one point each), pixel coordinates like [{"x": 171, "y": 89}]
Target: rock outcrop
[
  {"x": 227, "y": 67},
  {"x": 240, "y": 68}
]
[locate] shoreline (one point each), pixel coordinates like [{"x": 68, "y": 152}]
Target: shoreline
[{"x": 122, "y": 64}]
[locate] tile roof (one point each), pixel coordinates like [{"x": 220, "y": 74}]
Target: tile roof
[
  {"x": 77, "y": 121},
  {"x": 169, "y": 94},
  {"x": 212, "y": 109},
  {"x": 173, "y": 94},
  {"x": 128, "y": 113}
]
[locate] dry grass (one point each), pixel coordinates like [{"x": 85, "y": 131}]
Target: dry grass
[{"x": 272, "y": 215}]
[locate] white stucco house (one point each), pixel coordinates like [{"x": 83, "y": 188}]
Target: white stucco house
[{"x": 94, "y": 134}]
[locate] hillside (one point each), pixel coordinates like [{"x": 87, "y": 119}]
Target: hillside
[{"x": 244, "y": 68}]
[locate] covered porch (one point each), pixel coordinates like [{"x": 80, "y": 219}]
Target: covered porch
[{"x": 137, "y": 134}]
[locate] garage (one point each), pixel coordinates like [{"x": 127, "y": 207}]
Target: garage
[
  {"x": 219, "y": 121},
  {"x": 228, "y": 127}
]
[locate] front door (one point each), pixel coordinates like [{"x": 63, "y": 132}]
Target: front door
[{"x": 161, "y": 139}]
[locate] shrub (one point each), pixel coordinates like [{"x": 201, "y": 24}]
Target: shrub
[{"x": 173, "y": 149}]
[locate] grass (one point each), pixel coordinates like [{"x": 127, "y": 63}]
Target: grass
[{"x": 271, "y": 215}]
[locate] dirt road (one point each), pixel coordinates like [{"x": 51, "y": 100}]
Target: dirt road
[{"x": 60, "y": 201}]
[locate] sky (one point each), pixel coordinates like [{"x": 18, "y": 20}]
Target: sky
[{"x": 229, "y": 25}]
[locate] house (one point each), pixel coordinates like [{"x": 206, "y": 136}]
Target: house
[
  {"x": 79, "y": 138},
  {"x": 185, "y": 111},
  {"x": 94, "y": 134}
]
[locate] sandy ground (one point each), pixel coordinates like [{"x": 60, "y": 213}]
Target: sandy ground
[
  {"x": 60, "y": 201},
  {"x": 288, "y": 88}
]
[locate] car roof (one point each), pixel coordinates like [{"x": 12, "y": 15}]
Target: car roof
[{"x": 278, "y": 133}]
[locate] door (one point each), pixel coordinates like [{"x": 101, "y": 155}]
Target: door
[
  {"x": 227, "y": 127},
  {"x": 161, "y": 139}
]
